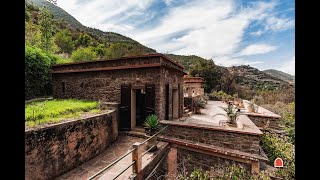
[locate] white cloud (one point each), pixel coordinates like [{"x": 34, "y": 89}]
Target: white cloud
[
  {"x": 257, "y": 33},
  {"x": 288, "y": 66},
  {"x": 212, "y": 28},
  {"x": 230, "y": 61},
  {"x": 102, "y": 13},
  {"x": 168, "y": 2},
  {"x": 274, "y": 24},
  {"x": 278, "y": 24},
  {"x": 257, "y": 49},
  {"x": 207, "y": 28}
]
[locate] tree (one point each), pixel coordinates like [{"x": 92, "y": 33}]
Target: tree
[
  {"x": 83, "y": 54},
  {"x": 46, "y": 28},
  {"x": 84, "y": 40},
  {"x": 32, "y": 34},
  {"x": 37, "y": 73},
  {"x": 100, "y": 50},
  {"x": 64, "y": 41},
  {"x": 208, "y": 70}
]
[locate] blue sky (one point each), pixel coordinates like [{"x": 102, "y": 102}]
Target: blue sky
[{"x": 231, "y": 32}]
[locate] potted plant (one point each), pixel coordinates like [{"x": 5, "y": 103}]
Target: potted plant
[
  {"x": 206, "y": 98},
  {"x": 252, "y": 108},
  {"x": 151, "y": 125},
  {"x": 241, "y": 105},
  {"x": 198, "y": 104},
  {"x": 232, "y": 115}
]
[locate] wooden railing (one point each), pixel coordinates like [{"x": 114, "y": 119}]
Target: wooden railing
[{"x": 137, "y": 155}]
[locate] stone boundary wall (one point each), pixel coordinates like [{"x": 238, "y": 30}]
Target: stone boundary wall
[
  {"x": 266, "y": 122},
  {"x": 243, "y": 142},
  {"x": 54, "y": 150},
  {"x": 191, "y": 159}
]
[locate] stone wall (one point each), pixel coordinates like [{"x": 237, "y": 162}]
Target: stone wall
[
  {"x": 174, "y": 78},
  {"x": 232, "y": 140},
  {"x": 266, "y": 122},
  {"x": 191, "y": 159},
  {"x": 53, "y": 150},
  {"x": 104, "y": 85},
  {"x": 196, "y": 87}
]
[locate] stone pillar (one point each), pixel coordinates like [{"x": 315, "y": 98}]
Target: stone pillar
[
  {"x": 255, "y": 167},
  {"x": 172, "y": 163},
  {"x": 136, "y": 156}
]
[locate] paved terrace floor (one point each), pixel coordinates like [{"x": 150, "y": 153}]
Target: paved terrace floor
[
  {"x": 210, "y": 118},
  {"x": 261, "y": 111},
  {"x": 113, "y": 152}
]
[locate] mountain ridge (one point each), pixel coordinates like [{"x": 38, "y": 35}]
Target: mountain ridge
[{"x": 281, "y": 75}]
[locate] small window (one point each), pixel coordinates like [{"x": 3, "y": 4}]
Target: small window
[{"x": 63, "y": 87}]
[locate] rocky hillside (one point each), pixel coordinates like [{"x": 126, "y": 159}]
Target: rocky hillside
[
  {"x": 281, "y": 75},
  {"x": 255, "y": 79},
  {"x": 105, "y": 37}
]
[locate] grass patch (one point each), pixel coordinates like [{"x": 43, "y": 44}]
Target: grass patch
[{"x": 52, "y": 111}]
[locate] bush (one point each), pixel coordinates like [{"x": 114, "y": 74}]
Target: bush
[
  {"x": 64, "y": 41},
  {"x": 37, "y": 73},
  {"x": 199, "y": 103},
  {"x": 151, "y": 123},
  {"x": 83, "y": 54},
  {"x": 287, "y": 113},
  {"x": 237, "y": 172},
  {"x": 275, "y": 146},
  {"x": 55, "y": 59}
]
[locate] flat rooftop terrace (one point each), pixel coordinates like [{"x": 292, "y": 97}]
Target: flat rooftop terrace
[
  {"x": 210, "y": 118},
  {"x": 262, "y": 112}
]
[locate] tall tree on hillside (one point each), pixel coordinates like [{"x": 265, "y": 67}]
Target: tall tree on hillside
[
  {"x": 84, "y": 40},
  {"x": 32, "y": 34},
  {"x": 46, "y": 28},
  {"x": 64, "y": 41},
  {"x": 208, "y": 70}
]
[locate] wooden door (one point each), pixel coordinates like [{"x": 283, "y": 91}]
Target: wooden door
[
  {"x": 125, "y": 108},
  {"x": 150, "y": 99},
  {"x": 169, "y": 102},
  {"x": 179, "y": 94}
]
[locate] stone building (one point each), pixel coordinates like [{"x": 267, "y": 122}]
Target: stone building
[
  {"x": 142, "y": 85},
  {"x": 193, "y": 86}
]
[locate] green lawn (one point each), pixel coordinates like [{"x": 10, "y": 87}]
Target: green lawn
[{"x": 52, "y": 111}]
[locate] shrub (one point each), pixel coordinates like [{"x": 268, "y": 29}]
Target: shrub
[
  {"x": 83, "y": 54},
  {"x": 64, "y": 41},
  {"x": 199, "y": 174},
  {"x": 151, "y": 123},
  {"x": 275, "y": 146},
  {"x": 199, "y": 103},
  {"x": 235, "y": 172},
  {"x": 37, "y": 75},
  {"x": 287, "y": 113}
]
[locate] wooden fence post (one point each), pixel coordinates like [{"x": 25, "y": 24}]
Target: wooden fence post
[{"x": 137, "y": 157}]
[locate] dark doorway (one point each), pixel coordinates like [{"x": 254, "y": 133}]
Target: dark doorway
[
  {"x": 140, "y": 108},
  {"x": 125, "y": 108}
]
